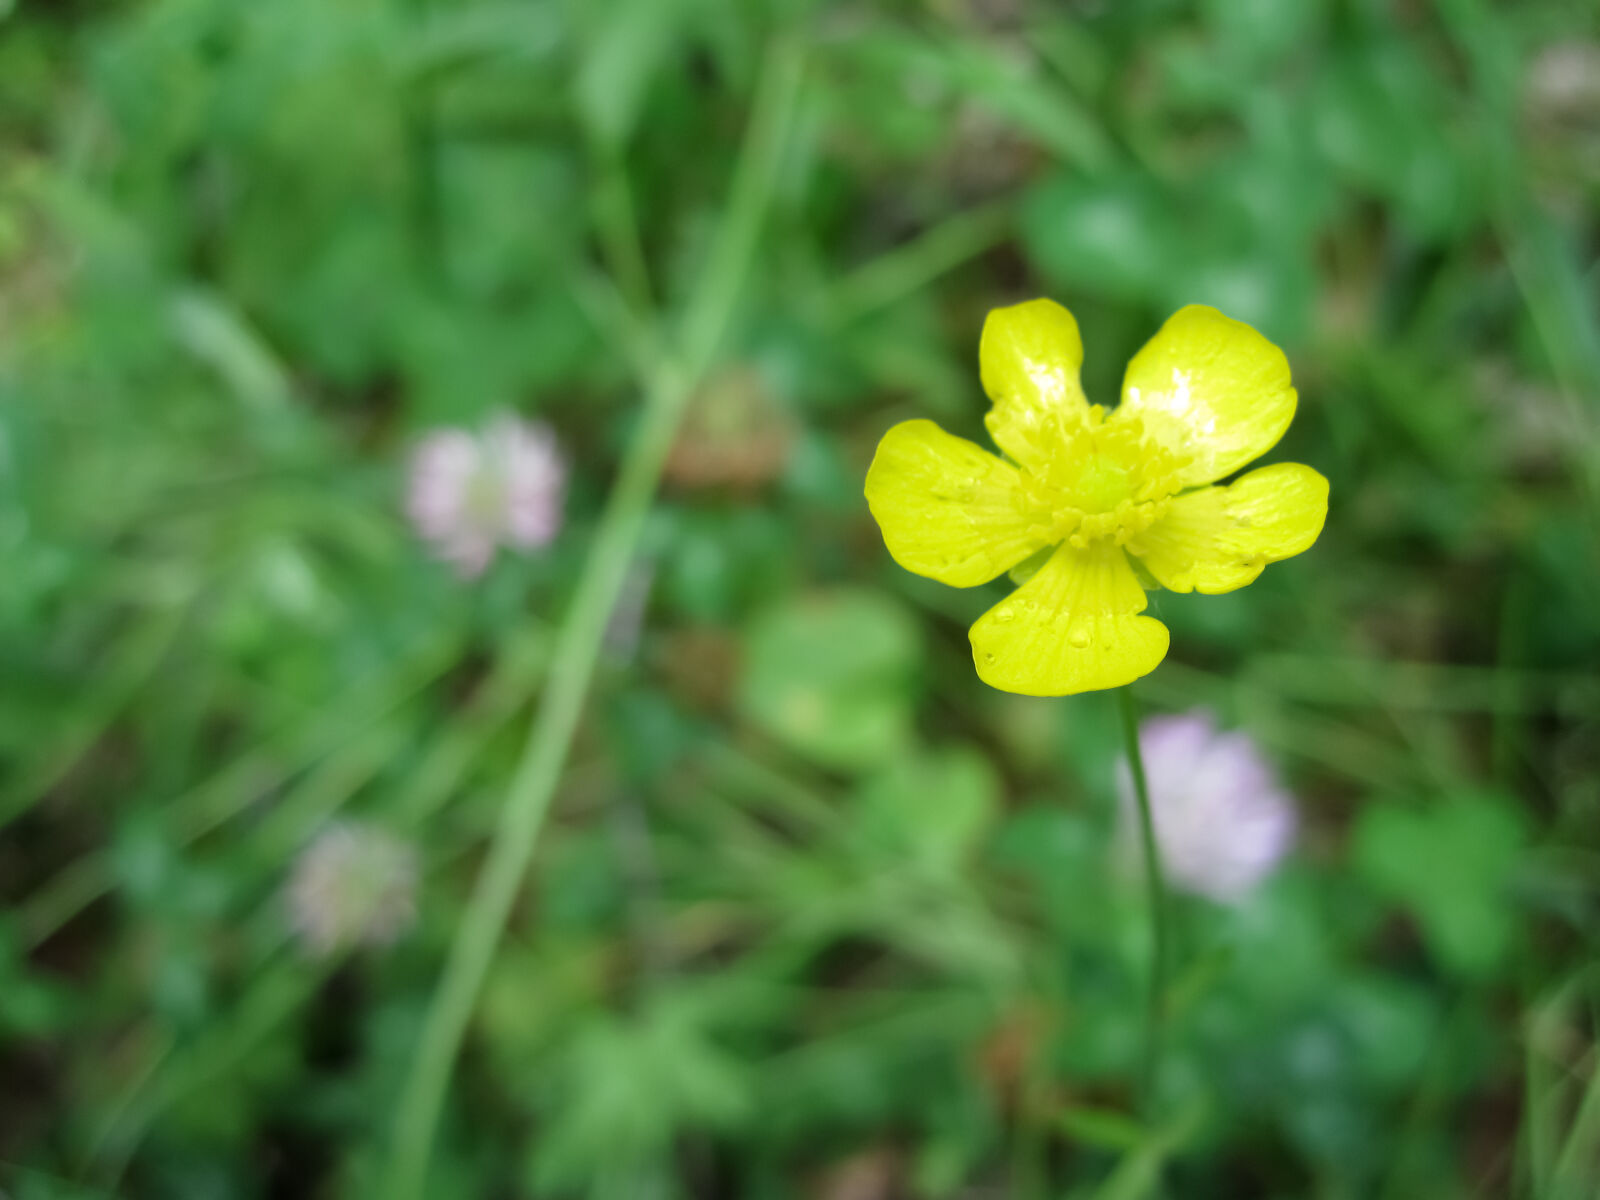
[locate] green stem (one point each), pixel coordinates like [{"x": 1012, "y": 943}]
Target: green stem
[
  {"x": 1155, "y": 1011},
  {"x": 904, "y": 269},
  {"x": 572, "y": 666},
  {"x": 618, "y": 227}
]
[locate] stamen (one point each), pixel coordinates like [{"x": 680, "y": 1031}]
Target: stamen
[{"x": 1099, "y": 480}]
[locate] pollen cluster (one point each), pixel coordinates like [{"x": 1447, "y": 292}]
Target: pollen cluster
[{"x": 1100, "y": 479}]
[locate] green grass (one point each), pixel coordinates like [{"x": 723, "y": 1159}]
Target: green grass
[{"x": 733, "y": 880}]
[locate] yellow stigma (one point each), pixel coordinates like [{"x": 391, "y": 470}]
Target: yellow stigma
[{"x": 1100, "y": 480}]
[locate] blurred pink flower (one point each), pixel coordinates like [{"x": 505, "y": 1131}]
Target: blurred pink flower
[
  {"x": 1222, "y": 820},
  {"x": 470, "y": 493},
  {"x": 354, "y": 885}
]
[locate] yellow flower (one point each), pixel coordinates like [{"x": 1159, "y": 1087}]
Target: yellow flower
[{"x": 1204, "y": 397}]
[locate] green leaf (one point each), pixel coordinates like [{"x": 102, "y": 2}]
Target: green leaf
[
  {"x": 627, "y": 50},
  {"x": 1114, "y": 237},
  {"x": 1380, "y": 115},
  {"x": 1391, "y": 1023},
  {"x": 830, "y": 675},
  {"x": 1261, "y": 29},
  {"x": 1449, "y": 865},
  {"x": 931, "y": 807}
]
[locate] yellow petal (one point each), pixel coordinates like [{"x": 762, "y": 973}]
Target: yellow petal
[
  {"x": 948, "y": 509},
  {"x": 1028, "y": 358},
  {"x": 1209, "y": 388},
  {"x": 1220, "y": 538},
  {"x": 1071, "y": 628}
]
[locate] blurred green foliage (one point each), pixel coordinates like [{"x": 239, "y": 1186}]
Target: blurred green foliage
[{"x": 818, "y": 915}]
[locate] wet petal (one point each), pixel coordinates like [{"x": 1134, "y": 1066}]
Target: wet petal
[
  {"x": 948, "y": 509},
  {"x": 1072, "y": 628},
  {"x": 1220, "y": 538},
  {"x": 1029, "y": 358},
  {"x": 1209, "y": 388}
]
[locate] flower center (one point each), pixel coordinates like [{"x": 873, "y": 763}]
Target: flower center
[
  {"x": 1100, "y": 480},
  {"x": 485, "y": 502},
  {"x": 1102, "y": 484}
]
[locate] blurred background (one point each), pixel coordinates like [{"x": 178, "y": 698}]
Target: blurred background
[{"x": 324, "y": 326}]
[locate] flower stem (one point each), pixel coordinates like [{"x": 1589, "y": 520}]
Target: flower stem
[
  {"x": 615, "y": 542},
  {"x": 906, "y": 268},
  {"x": 1155, "y": 1012}
]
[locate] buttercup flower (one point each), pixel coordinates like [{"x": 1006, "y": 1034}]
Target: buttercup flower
[
  {"x": 470, "y": 493},
  {"x": 1204, "y": 397},
  {"x": 1221, "y": 820},
  {"x": 354, "y": 885}
]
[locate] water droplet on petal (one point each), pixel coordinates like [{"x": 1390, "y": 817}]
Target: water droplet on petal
[
  {"x": 1005, "y": 614},
  {"x": 1079, "y": 638}
]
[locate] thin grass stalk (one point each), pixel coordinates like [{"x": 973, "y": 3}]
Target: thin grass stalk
[
  {"x": 1155, "y": 1008},
  {"x": 550, "y": 738}
]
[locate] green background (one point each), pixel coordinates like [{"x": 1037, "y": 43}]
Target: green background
[{"x": 816, "y": 914}]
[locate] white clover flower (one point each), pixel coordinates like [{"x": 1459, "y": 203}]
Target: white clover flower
[
  {"x": 471, "y": 493},
  {"x": 1222, "y": 821},
  {"x": 354, "y": 885}
]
